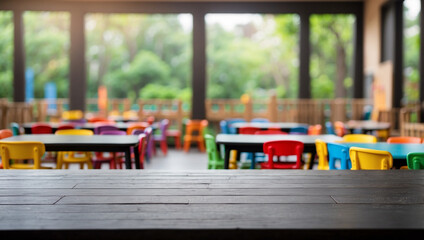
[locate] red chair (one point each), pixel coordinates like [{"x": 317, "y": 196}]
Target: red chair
[
  {"x": 41, "y": 128},
  {"x": 5, "y": 133},
  {"x": 248, "y": 130},
  {"x": 404, "y": 140},
  {"x": 282, "y": 148},
  {"x": 114, "y": 157},
  {"x": 270, "y": 131},
  {"x": 65, "y": 126}
]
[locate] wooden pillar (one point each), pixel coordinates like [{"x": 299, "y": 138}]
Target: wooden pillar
[
  {"x": 77, "y": 80},
  {"x": 18, "y": 58},
  {"x": 358, "y": 83},
  {"x": 304, "y": 75},
  {"x": 198, "y": 110}
]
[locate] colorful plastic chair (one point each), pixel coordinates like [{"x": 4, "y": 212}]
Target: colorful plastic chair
[
  {"x": 65, "y": 126},
  {"x": 415, "y": 160},
  {"x": 113, "y": 158},
  {"x": 149, "y": 143},
  {"x": 20, "y": 151},
  {"x": 322, "y": 153},
  {"x": 315, "y": 129},
  {"x": 271, "y": 131},
  {"x": 138, "y": 125},
  {"x": 101, "y": 128},
  {"x": 360, "y": 138},
  {"x": 248, "y": 130},
  {"x": 283, "y": 148},
  {"x": 67, "y": 158},
  {"x": 194, "y": 133},
  {"x": 176, "y": 135},
  {"x": 340, "y": 128},
  {"x": 41, "y": 128},
  {"x": 260, "y": 120},
  {"x": 72, "y": 115},
  {"x": 214, "y": 159},
  {"x": 161, "y": 137},
  {"x": 404, "y": 140},
  {"x": 339, "y": 152},
  {"x": 299, "y": 130},
  {"x": 16, "y": 129},
  {"x": 370, "y": 159},
  {"x": 330, "y": 128},
  {"x": 224, "y": 126},
  {"x": 231, "y": 129},
  {"x": 98, "y": 119},
  {"x": 5, "y": 133}
]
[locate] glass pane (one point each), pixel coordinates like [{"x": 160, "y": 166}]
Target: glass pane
[
  {"x": 135, "y": 56},
  {"x": 47, "y": 53},
  {"x": 6, "y": 53},
  {"x": 412, "y": 10},
  {"x": 252, "y": 53},
  {"x": 331, "y": 66}
]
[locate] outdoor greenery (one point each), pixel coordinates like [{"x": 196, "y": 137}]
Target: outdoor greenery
[{"x": 150, "y": 55}]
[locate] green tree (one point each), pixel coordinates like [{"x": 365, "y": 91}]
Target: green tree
[{"x": 6, "y": 53}]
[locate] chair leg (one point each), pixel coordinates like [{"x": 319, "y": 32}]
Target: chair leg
[
  {"x": 164, "y": 147},
  {"x": 177, "y": 142},
  {"x": 187, "y": 145}
]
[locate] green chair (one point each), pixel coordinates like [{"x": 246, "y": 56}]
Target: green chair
[
  {"x": 15, "y": 128},
  {"x": 415, "y": 160},
  {"x": 214, "y": 160}
]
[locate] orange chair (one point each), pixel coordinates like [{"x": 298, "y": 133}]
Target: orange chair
[
  {"x": 404, "y": 140},
  {"x": 194, "y": 133},
  {"x": 136, "y": 126},
  {"x": 5, "y": 133},
  {"x": 98, "y": 119},
  {"x": 340, "y": 128},
  {"x": 315, "y": 129},
  {"x": 282, "y": 148},
  {"x": 41, "y": 128},
  {"x": 248, "y": 130}
]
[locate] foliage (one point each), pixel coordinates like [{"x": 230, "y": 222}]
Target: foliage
[{"x": 6, "y": 53}]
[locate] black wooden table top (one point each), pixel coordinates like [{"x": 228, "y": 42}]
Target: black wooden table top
[{"x": 214, "y": 204}]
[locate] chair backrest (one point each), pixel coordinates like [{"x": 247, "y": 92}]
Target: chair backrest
[
  {"x": 193, "y": 127},
  {"x": 65, "y": 126},
  {"x": 21, "y": 150},
  {"x": 370, "y": 159},
  {"x": 142, "y": 147},
  {"x": 361, "y": 138},
  {"x": 41, "y": 128},
  {"x": 260, "y": 120},
  {"x": 231, "y": 121},
  {"x": 164, "y": 124},
  {"x": 74, "y": 132},
  {"x": 340, "y": 152},
  {"x": 224, "y": 126},
  {"x": 129, "y": 114},
  {"x": 98, "y": 119},
  {"x": 284, "y": 148},
  {"x": 270, "y": 131},
  {"x": 322, "y": 153},
  {"x": 15, "y": 128},
  {"x": 404, "y": 140},
  {"x": 72, "y": 115},
  {"x": 248, "y": 130},
  {"x": 330, "y": 128},
  {"x": 415, "y": 160},
  {"x": 340, "y": 128},
  {"x": 100, "y": 128},
  {"x": 5, "y": 133},
  {"x": 137, "y": 132},
  {"x": 138, "y": 125},
  {"x": 299, "y": 130},
  {"x": 315, "y": 129},
  {"x": 149, "y": 141},
  {"x": 211, "y": 149},
  {"x": 113, "y": 132}
]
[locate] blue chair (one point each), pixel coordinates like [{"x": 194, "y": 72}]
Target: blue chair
[
  {"x": 339, "y": 152},
  {"x": 260, "y": 120},
  {"x": 329, "y": 127},
  {"x": 15, "y": 128},
  {"x": 231, "y": 121},
  {"x": 224, "y": 126},
  {"x": 299, "y": 130}
]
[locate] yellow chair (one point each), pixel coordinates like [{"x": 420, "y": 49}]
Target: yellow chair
[
  {"x": 72, "y": 115},
  {"x": 74, "y": 157},
  {"x": 322, "y": 154},
  {"x": 370, "y": 159},
  {"x": 360, "y": 138},
  {"x": 19, "y": 151}
]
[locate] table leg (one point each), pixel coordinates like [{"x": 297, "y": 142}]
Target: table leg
[
  {"x": 136, "y": 158},
  {"x": 227, "y": 157},
  {"x": 128, "y": 158},
  {"x": 313, "y": 156}
]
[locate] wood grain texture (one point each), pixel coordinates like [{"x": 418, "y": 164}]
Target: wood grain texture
[{"x": 224, "y": 204}]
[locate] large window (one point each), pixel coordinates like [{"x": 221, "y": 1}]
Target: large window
[
  {"x": 6, "y": 53},
  {"x": 331, "y": 66},
  {"x": 252, "y": 53},
  {"x": 139, "y": 55},
  {"x": 47, "y": 53},
  {"x": 411, "y": 50}
]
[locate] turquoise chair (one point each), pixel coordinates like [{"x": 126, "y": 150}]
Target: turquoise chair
[
  {"x": 339, "y": 152},
  {"x": 214, "y": 160},
  {"x": 231, "y": 121},
  {"x": 329, "y": 127},
  {"x": 15, "y": 128},
  {"x": 415, "y": 160},
  {"x": 299, "y": 130},
  {"x": 224, "y": 126}
]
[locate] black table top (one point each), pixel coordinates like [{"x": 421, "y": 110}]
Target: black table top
[
  {"x": 253, "y": 139},
  {"x": 214, "y": 204}
]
